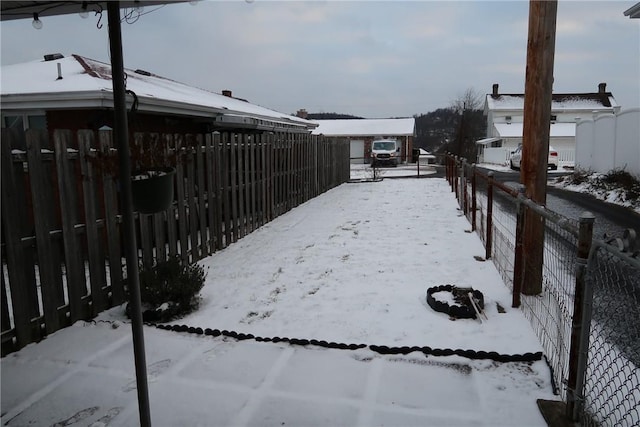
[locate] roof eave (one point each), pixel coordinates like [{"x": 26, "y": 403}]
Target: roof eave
[
  {"x": 104, "y": 99},
  {"x": 633, "y": 11}
]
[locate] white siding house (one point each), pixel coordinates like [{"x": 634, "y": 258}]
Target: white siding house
[{"x": 505, "y": 119}]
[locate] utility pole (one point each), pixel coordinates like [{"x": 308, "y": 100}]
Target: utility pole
[{"x": 535, "y": 137}]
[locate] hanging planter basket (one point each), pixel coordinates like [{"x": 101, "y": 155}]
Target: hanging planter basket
[{"x": 152, "y": 189}]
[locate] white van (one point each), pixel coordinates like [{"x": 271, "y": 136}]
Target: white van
[{"x": 385, "y": 151}]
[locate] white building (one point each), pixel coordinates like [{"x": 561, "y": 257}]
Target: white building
[{"x": 505, "y": 119}]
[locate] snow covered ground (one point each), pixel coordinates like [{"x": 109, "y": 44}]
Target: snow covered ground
[{"x": 352, "y": 265}]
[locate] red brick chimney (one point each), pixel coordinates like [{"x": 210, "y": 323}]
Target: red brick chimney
[
  {"x": 602, "y": 88},
  {"x": 227, "y": 92}
]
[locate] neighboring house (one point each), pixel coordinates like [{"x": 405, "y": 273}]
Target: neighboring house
[
  {"x": 505, "y": 119},
  {"x": 75, "y": 92},
  {"x": 362, "y": 132}
]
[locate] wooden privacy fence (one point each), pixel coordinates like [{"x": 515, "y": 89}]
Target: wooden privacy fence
[{"x": 62, "y": 249}]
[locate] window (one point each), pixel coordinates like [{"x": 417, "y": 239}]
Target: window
[
  {"x": 12, "y": 122},
  {"x": 37, "y": 122},
  {"x": 25, "y": 121}
]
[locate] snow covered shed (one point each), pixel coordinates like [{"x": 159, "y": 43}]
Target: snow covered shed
[{"x": 362, "y": 132}]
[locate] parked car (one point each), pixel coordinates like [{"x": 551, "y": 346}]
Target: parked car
[{"x": 516, "y": 158}]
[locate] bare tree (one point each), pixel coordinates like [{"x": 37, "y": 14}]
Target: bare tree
[
  {"x": 470, "y": 99},
  {"x": 472, "y": 125}
]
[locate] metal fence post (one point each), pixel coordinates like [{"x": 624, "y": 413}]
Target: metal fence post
[
  {"x": 518, "y": 261},
  {"x": 581, "y": 320},
  {"x": 464, "y": 190},
  {"x": 474, "y": 204},
  {"x": 488, "y": 242},
  {"x": 450, "y": 171},
  {"x": 455, "y": 178}
]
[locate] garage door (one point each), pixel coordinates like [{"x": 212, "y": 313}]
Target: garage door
[{"x": 357, "y": 151}]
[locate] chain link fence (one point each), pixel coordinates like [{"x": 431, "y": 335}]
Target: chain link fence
[
  {"x": 611, "y": 394},
  {"x": 586, "y": 313}
]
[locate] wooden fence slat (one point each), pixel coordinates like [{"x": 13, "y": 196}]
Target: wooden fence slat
[
  {"x": 210, "y": 201},
  {"x": 112, "y": 230},
  {"x": 145, "y": 245},
  {"x": 217, "y": 185},
  {"x": 226, "y": 185},
  {"x": 202, "y": 198},
  {"x": 254, "y": 181},
  {"x": 49, "y": 260},
  {"x": 22, "y": 304},
  {"x": 169, "y": 146},
  {"x": 248, "y": 142},
  {"x": 161, "y": 220},
  {"x": 233, "y": 171},
  {"x": 190, "y": 192},
  {"x": 180, "y": 195},
  {"x": 263, "y": 180},
  {"x": 241, "y": 224},
  {"x": 97, "y": 274},
  {"x": 74, "y": 264}
]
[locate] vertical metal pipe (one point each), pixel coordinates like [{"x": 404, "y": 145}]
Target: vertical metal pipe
[
  {"x": 121, "y": 135},
  {"x": 488, "y": 240},
  {"x": 581, "y": 321}
]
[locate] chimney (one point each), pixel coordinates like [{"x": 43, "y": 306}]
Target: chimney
[
  {"x": 53, "y": 56},
  {"x": 495, "y": 89},
  {"x": 302, "y": 113},
  {"x": 602, "y": 88},
  {"x": 227, "y": 92}
]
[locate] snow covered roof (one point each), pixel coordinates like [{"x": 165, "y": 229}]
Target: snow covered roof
[
  {"x": 366, "y": 127},
  {"x": 514, "y": 130},
  {"x": 559, "y": 102},
  {"x": 486, "y": 141},
  {"x": 86, "y": 83},
  {"x": 599, "y": 101}
]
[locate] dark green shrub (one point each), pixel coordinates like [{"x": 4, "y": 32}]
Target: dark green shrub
[
  {"x": 170, "y": 289},
  {"x": 623, "y": 179}
]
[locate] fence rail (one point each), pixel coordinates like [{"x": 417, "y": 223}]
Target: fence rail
[
  {"x": 62, "y": 256},
  {"x": 586, "y": 312}
]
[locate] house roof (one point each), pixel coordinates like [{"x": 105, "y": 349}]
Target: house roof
[
  {"x": 366, "y": 127},
  {"x": 633, "y": 11},
  {"x": 486, "y": 141},
  {"x": 571, "y": 101},
  {"x": 86, "y": 83},
  {"x": 514, "y": 130},
  {"x": 574, "y": 102}
]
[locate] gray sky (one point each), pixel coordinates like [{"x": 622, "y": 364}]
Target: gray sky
[{"x": 371, "y": 59}]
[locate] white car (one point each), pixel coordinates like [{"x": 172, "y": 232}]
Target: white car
[{"x": 516, "y": 158}]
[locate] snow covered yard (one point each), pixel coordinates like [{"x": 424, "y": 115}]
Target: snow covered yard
[
  {"x": 354, "y": 265},
  {"x": 351, "y": 266}
]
